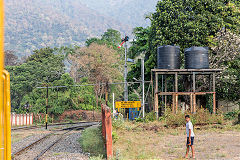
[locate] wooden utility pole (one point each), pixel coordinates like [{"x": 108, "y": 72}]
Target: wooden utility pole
[
  {"x": 106, "y": 93},
  {"x": 46, "y": 118}
]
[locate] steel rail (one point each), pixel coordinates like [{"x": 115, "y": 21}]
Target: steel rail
[
  {"x": 54, "y": 124},
  {"x": 61, "y": 137},
  {"x": 24, "y": 128},
  {"x": 81, "y": 127},
  {"x": 29, "y": 146},
  {"x": 50, "y": 146}
]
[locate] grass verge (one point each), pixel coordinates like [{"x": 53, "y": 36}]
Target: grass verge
[{"x": 91, "y": 142}]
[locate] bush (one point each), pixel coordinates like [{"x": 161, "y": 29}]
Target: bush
[
  {"x": 115, "y": 137},
  {"x": 118, "y": 122},
  {"x": 232, "y": 115},
  {"x": 139, "y": 119},
  {"x": 203, "y": 116},
  {"x": 92, "y": 142},
  {"x": 150, "y": 117},
  {"x": 172, "y": 119}
]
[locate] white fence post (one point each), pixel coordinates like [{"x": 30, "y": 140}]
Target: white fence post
[{"x": 21, "y": 119}]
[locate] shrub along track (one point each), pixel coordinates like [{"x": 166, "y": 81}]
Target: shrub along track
[{"x": 38, "y": 148}]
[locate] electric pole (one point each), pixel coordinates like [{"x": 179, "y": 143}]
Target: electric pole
[
  {"x": 143, "y": 92},
  {"x": 125, "y": 75},
  {"x": 46, "y": 118}
]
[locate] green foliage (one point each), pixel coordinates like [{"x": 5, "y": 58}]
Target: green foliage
[
  {"x": 61, "y": 99},
  {"x": 141, "y": 45},
  {"x": 140, "y": 119},
  {"x": 115, "y": 137},
  {"x": 209, "y": 104},
  {"x": 173, "y": 119},
  {"x": 94, "y": 40},
  {"x": 141, "y": 42},
  {"x": 111, "y": 37},
  {"x": 187, "y": 23},
  {"x": 43, "y": 66},
  {"x": 46, "y": 67},
  {"x": 150, "y": 117},
  {"x": 232, "y": 115},
  {"x": 92, "y": 141},
  {"x": 118, "y": 122},
  {"x": 133, "y": 97},
  {"x": 230, "y": 81}
]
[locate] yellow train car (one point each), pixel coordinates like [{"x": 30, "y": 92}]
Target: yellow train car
[{"x": 5, "y": 105}]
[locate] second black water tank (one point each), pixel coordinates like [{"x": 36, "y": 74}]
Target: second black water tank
[
  {"x": 196, "y": 58},
  {"x": 168, "y": 57}
]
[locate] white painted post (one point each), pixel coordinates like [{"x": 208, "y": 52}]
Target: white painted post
[
  {"x": 18, "y": 119},
  {"x": 32, "y": 118},
  {"x": 114, "y": 111},
  {"x": 113, "y": 102}
]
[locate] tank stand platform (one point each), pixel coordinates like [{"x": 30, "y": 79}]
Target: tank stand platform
[{"x": 210, "y": 74}]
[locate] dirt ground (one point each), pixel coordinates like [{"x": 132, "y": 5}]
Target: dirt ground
[
  {"x": 80, "y": 115},
  {"x": 210, "y": 143},
  {"x": 73, "y": 115}
]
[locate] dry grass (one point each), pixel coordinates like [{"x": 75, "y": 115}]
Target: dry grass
[
  {"x": 154, "y": 141},
  {"x": 203, "y": 116},
  {"x": 17, "y": 137}
]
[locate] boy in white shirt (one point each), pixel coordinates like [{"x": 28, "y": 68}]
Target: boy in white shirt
[{"x": 190, "y": 136}]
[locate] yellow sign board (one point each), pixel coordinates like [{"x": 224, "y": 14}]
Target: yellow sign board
[{"x": 128, "y": 104}]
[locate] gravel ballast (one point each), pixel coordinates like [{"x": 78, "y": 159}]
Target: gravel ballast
[
  {"x": 26, "y": 141},
  {"x": 67, "y": 148}
]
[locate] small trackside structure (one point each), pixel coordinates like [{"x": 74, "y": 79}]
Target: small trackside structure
[
  {"x": 107, "y": 130},
  {"x": 209, "y": 74}
]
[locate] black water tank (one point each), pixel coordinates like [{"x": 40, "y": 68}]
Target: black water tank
[
  {"x": 168, "y": 57},
  {"x": 196, "y": 58}
]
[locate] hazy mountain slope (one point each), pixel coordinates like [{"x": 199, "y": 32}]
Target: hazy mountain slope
[
  {"x": 131, "y": 12},
  {"x": 32, "y": 24}
]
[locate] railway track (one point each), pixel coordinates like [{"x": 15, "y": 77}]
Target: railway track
[
  {"x": 24, "y": 128},
  {"x": 50, "y": 125},
  {"x": 38, "y": 148}
]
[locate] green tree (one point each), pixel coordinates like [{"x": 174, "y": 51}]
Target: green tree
[
  {"x": 187, "y": 23},
  {"x": 60, "y": 99},
  {"x": 94, "y": 40},
  {"x": 42, "y": 67},
  {"x": 229, "y": 86},
  {"x": 111, "y": 37},
  {"x": 140, "y": 43}
]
